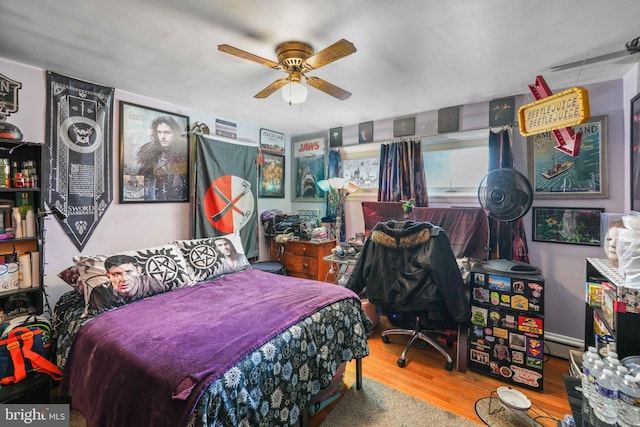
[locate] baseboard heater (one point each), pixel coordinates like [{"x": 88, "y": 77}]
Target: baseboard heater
[{"x": 559, "y": 345}]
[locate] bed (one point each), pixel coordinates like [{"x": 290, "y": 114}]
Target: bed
[{"x": 249, "y": 348}]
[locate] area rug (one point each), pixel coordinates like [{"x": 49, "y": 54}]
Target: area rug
[{"x": 377, "y": 405}]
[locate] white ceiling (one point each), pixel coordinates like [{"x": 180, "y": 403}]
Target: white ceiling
[{"x": 412, "y": 55}]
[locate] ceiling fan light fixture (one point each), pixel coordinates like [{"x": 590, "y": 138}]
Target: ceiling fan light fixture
[{"x": 294, "y": 93}]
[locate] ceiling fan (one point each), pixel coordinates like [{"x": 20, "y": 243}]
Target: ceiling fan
[{"x": 296, "y": 59}]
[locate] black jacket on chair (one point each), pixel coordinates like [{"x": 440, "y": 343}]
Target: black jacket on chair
[{"x": 409, "y": 266}]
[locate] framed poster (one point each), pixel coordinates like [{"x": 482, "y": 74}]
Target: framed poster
[
  {"x": 580, "y": 226},
  {"x": 271, "y": 178},
  {"x": 365, "y": 132},
  {"x": 363, "y": 171},
  {"x": 309, "y": 168},
  {"x": 154, "y": 155},
  {"x": 272, "y": 142},
  {"x": 502, "y": 112},
  {"x": 335, "y": 137},
  {"x": 404, "y": 127},
  {"x": 557, "y": 175},
  {"x": 635, "y": 153},
  {"x": 449, "y": 119}
]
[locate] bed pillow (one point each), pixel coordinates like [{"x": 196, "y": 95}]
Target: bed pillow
[
  {"x": 71, "y": 276},
  {"x": 137, "y": 274},
  {"x": 205, "y": 261}
]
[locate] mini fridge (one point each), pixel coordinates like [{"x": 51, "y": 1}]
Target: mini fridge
[{"x": 507, "y": 322}]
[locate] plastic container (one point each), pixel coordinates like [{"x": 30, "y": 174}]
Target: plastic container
[
  {"x": 606, "y": 405},
  {"x": 589, "y": 356},
  {"x": 17, "y": 222},
  {"x": 629, "y": 402},
  {"x": 594, "y": 373},
  {"x": 30, "y": 219},
  {"x": 5, "y": 173},
  {"x": 588, "y": 359}
]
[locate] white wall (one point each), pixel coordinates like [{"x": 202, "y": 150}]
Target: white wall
[
  {"x": 124, "y": 226},
  {"x": 131, "y": 226},
  {"x": 562, "y": 265}
]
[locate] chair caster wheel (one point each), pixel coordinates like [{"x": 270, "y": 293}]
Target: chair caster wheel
[
  {"x": 385, "y": 339},
  {"x": 449, "y": 366},
  {"x": 402, "y": 363}
]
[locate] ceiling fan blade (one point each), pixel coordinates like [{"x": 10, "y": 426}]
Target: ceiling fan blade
[
  {"x": 338, "y": 50},
  {"x": 328, "y": 88},
  {"x": 248, "y": 56},
  {"x": 593, "y": 60},
  {"x": 271, "y": 88}
]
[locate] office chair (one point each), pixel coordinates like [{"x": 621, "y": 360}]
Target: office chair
[
  {"x": 418, "y": 332},
  {"x": 408, "y": 269}
]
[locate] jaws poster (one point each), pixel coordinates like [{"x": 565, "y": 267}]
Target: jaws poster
[{"x": 309, "y": 164}]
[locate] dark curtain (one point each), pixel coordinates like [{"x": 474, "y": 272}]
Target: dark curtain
[
  {"x": 402, "y": 175},
  {"x": 507, "y": 239}
]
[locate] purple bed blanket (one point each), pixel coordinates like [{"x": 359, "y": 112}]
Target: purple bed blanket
[{"x": 147, "y": 363}]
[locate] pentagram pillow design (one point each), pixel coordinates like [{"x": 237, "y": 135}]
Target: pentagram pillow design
[
  {"x": 119, "y": 278},
  {"x": 205, "y": 261}
]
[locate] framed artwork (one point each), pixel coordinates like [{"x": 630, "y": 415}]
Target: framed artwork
[
  {"x": 404, "y": 127},
  {"x": 635, "y": 153},
  {"x": 580, "y": 226},
  {"x": 309, "y": 166},
  {"x": 272, "y": 142},
  {"x": 271, "y": 178},
  {"x": 363, "y": 171},
  {"x": 365, "y": 132},
  {"x": 335, "y": 137},
  {"x": 556, "y": 175},
  {"x": 502, "y": 112},
  {"x": 449, "y": 119},
  {"x": 154, "y": 155}
]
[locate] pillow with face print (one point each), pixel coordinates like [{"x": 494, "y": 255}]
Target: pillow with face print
[{"x": 117, "y": 279}]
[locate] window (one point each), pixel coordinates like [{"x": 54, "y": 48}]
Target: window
[{"x": 455, "y": 164}]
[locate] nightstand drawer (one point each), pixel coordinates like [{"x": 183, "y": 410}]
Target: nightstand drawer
[
  {"x": 297, "y": 248},
  {"x": 301, "y": 264}
]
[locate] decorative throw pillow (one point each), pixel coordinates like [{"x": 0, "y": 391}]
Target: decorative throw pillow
[
  {"x": 71, "y": 276},
  {"x": 117, "y": 279},
  {"x": 211, "y": 257}
]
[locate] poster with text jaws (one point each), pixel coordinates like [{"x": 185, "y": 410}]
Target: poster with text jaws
[{"x": 309, "y": 162}]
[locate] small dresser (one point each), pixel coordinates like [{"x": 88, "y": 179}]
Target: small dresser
[{"x": 302, "y": 258}]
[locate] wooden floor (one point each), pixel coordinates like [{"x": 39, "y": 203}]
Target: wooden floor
[{"x": 426, "y": 378}]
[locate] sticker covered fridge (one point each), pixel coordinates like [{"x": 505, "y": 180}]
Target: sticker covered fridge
[{"x": 507, "y": 322}]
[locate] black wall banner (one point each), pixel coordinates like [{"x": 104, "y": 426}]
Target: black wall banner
[
  {"x": 79, "y": 134},
  {"x": 226, "y": 191}
]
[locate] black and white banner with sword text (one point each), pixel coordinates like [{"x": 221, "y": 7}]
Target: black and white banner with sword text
[
  {"x": 226, "y": 196},
  {"x": 79, "y": 123}
]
